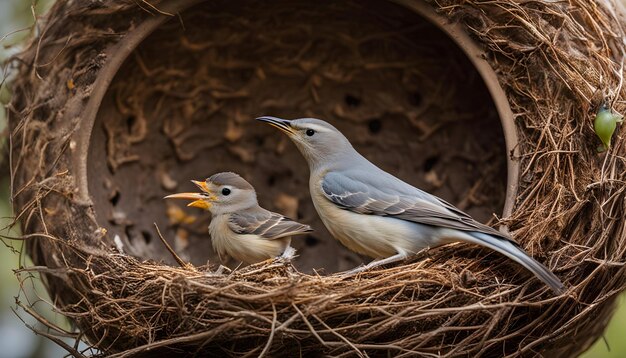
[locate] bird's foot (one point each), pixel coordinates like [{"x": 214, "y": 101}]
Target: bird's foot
[
  {"x": 220, "y": 270},
  {"x": 395, "y": 258},
  {"x": 355, "y": 271},
  {"x": 265, "y": 262},
  {"x": 288, "y": 254}
]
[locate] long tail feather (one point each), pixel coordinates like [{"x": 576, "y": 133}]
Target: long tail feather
[{"x": 516, "y": 254}]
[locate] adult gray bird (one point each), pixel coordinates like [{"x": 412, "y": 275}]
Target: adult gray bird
[
  {"x": 239, "y": 227},
  {"x": 376, "y": 214}
]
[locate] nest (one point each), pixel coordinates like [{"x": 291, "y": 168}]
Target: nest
[{"x": 118, "y": 103}]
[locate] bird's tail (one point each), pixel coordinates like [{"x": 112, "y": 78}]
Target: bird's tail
[{"x": 515, "y": 253}]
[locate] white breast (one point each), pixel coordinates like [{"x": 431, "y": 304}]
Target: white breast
[
  {"x": 371, "y": 235},
  {"x": 246, "y": 248}
]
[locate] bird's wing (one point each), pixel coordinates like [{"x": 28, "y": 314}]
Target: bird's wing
[
  {"x": 266, "y": 224},
  {"x": 385, "y": 195}
]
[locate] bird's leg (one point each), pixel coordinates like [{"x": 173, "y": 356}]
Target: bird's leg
[
  {"x": 388, "y": 260},
  {"x": 287, "y": 255}
]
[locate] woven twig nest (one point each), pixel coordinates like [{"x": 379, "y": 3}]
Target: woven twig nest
[{"x": 486, "y": 104}]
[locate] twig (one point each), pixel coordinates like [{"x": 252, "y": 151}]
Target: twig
[{"x": 180, "y": 261}]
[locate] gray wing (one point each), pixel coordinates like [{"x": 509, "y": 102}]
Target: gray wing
[
  {"x": 265, "y": 223},
  {"x": 384, "y": 195}
]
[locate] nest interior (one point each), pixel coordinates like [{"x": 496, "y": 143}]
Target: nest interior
[
  {"x": 183, "y": 106},
  {"x": 180, "y": 106}
]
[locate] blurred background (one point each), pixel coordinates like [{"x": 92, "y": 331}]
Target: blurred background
[{"x": 16, "y": 339}]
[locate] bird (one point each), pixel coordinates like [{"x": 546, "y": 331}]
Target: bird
[
  {"x": 374, "y": 213},
  {"x": 239, "y": 227}
]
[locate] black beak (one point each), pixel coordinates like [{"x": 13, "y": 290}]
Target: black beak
[{"x": 282, "y": 124}]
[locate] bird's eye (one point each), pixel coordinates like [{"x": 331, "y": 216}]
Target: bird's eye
[
  {"x": 310, "y": 132},
  {"x": 225, "y": 191}
]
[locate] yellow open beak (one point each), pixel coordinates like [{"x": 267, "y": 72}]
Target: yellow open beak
[
  {"x": 202, "y": 185},
  {"x": 200, "y": 200},
  {"x": 282, "y": 124}
]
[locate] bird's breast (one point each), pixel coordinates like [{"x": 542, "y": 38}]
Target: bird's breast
[
  {"x": 249, "y": 248},
  {"x": 371, "y": 235}
]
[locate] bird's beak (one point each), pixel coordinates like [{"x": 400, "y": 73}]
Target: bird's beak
[
  {"x": 282, "y": 124},
  {"x": 202, "y": 186},
  {"x": 200, "y": 200}
]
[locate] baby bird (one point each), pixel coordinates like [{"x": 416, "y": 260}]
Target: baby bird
[{"x": 239, "y": 227}]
